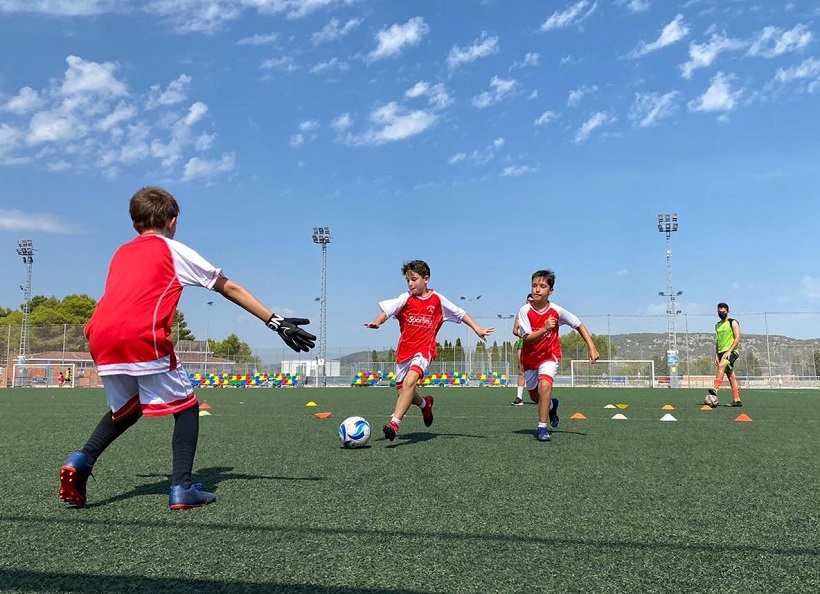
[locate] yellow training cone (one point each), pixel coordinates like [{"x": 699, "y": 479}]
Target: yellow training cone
[
  {"x": 622, "y": 406},
  {"x": 311, "y": 403},
  {"x": 668, "y": 407},
  {"x": 204, "y": 413}
]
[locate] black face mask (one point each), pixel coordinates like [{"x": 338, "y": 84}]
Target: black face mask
[{"x": 723, "y": 315}]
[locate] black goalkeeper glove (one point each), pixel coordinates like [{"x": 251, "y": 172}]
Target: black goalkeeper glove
[{"x": 295, "y": 337}]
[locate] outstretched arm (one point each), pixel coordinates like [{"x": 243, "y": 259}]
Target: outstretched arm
[
  {"x": 380, "y": 319},
  {"x": 482, "y": 333},
  {"x": 287, "y": 328},
  {"x": 593, "y": 352}
]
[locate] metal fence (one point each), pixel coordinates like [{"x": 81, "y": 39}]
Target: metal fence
[{"x": 777, "y": 349}]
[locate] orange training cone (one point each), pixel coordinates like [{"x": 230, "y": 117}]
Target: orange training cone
[
  {"x": 706, "y": 407},
  {"x": 578, "y": 417},
  {"x": 744, "y": 418},
  {"x": 204, "y": 406},
  {"x": 322, "y": 415}
]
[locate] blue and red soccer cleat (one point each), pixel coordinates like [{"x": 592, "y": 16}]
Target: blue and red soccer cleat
[
  {"x": 181, "y": 498},
  {"x": 74, "y": 475},
  {"x": 554, "y": 420},
  {"x": 427, "y": 411}
]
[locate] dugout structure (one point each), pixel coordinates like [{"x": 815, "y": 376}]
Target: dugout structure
[
  {"x": 613, "y": 373},
  {"x": 43, "y": 375}
]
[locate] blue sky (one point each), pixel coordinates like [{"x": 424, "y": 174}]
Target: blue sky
[{"x": 488, "y": 138}]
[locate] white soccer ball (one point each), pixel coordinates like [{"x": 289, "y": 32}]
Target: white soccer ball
[
  {"x": 354, "y": 432},
  {"x": 711, "y": 400}
]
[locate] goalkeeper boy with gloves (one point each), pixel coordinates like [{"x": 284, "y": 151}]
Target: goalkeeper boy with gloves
[{"x": 129, "y": 336}]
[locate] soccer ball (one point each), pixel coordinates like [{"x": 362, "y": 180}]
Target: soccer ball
[
  {"x": 711, "y": 400},
  {"x": 354, "y": 432}
]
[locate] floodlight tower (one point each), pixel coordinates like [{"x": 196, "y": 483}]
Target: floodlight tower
[
  {"x": 321, "y": 236},
  {"x": 668, "y": 224},
  {"x": 25, "y": 249}
]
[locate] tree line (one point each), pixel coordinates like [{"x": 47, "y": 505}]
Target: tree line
[{"x": 59, "y": 325}]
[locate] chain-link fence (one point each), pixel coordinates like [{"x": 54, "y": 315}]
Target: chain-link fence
[{"x": 771, "y": 353}]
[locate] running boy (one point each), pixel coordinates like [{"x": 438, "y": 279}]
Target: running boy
[
  {"x": 538, "y": 324},
  {"x": 420, "y": 312},
  {"x": 129, "y": 339}
]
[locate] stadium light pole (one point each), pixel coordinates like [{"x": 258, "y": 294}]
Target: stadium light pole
[
  {"x": 209, "y": 304},
  {"x": 321, "y": 236},
  {"x": 25, "y": 249},
  {"x": 668, "y": 224},
  {"x": 467, "y": 339},
  {"x": 504, "y": 342}
]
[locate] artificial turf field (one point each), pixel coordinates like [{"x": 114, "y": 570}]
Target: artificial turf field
[{"x": 472, "y": 504}]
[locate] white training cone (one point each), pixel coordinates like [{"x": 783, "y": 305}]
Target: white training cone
[
  {"x": 620, "y": 417},
  {"x": 610, "y": 406},
  {"x": 668, "y": 417}
]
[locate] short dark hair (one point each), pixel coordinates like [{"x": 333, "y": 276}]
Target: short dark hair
[
  {"x": 529, "y": 296},
  {"x": 722, "y": 305},
  {"x": 420, "y": 267},
  {"x": 151, "y": 208},
  {"x": 549, "y": 275}
]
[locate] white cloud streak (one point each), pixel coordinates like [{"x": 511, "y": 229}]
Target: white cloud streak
[
  {"x": 481, "y": 48},
  {"x": 499, "y": 90},
  {"x": 673, "y": 32},
  {"x": 649, "y": 108},
  {"x": 595, "y": 121},
  {"x": 702, "y": 55},
  {"x": 391, "y": 41},
  {"x": 572, "y": 15},
  {"x": 718, "y": 97}
]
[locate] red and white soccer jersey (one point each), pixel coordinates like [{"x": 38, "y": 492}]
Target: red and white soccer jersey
[
  {"x": 548, "y": 347},
  {"x": 419, "y": 321},
  {"x": 130, "y": 330}
]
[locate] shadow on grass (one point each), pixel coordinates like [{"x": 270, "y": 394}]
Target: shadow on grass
[
  {"x": 419, "y": 437},
  {"x": 552, "y": 432},
  {"x": 209, "y": 477},
  {"x": 35, "y": 581}
]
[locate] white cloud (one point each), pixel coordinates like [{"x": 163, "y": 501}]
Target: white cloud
[
  {"x": 259, "y": 39},
  {"x": 500, "y": 89},
  {"x": 436, "y": 94},
  {"x": 673, "y": 32},
  {"x": 198, "y": 168},
  {"x": 285, "y": 63},
  {"x": 479, "y": 156},
  {"x": 27, "y": 100},
  {"x": 308, "y": 125},
  {"x": 622, "y": 272},
  {"x": 175, "y": 92},
  {"x": 807, "y": 72},
  {"x": 18, "y": 220},
  {"x": 57, "y": 8},
  {"x": 393, "y": 40},
  {"x": 595, "y": 121},
  {"x": 575, "y": 96},
  {"x": 297, "y": 140},
  {"x": 571, "y": 16},
  {"x": 811, "y": 286},
  {"x": 649, "y": 108},
  {"x": 545, "y": 118},
  {"x": 342, "y": 122},
  {"x": 701, "y": 55},
  {"x": 52, "y": 126},
  {"x": 334, "y": 30},
  {"x": 481, "y": 48},
  {"x": 635, "y": 5},
  {"x": 332, "y": 64},
  {"x": 195, "y": 113},
  {"x": 718, "y": 97},
  {"x": 516, "y": 170},
  {"x": 773, "y": 41},
  {"x": 122, "y": 112},
  {"x": 393, "y": 123},
  {"x": 569, "y": 59},
  {"x": 531, "y": 59},
  {"x": 91, "y": 77}
]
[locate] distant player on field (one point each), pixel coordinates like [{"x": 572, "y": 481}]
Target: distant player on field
[
  {"x": 129, "y": 336},
  {"x": 726, "y": 353},
  {"x": 519, "y": 344},
  {"x": 538, "y": 324},
  {"x": 420, "y": 312}
]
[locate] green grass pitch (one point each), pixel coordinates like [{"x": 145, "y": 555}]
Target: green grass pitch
[{"x": 472, "y": 504}]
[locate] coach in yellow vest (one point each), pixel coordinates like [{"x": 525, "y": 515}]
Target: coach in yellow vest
[{"x": 726, "y": 352}]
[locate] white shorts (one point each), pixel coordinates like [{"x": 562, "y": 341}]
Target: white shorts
[
  {"x": 156, "y": 394},
  {"x": 418, "y": 364},
  {"x": 546, "y": 370}
]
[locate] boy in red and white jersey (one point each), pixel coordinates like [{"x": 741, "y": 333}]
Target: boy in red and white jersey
[
  {"x": 129, "y": 336},
  {"x": 538, "y": 323},
  {"x": 420, "y": 312}
]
